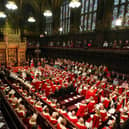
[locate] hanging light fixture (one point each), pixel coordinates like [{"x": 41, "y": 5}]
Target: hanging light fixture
[
  {"x": 2, "y": 14},
  {"x": 31, "y": 19},
  {"x": 60, "y": 29},
  {"x": 74, "y": 4},
  {"x": 11, "y": 5},
  {"x": 118, "y": 22},
  {"x": 47, "y": 13}
]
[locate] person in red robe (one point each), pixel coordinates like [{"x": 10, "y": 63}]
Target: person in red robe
[
  {"x": 84, "y": 90},
  {"x": 91, "y": 105},
  {"x": 96, "y": 119},
  {"x": 14, "y": 101},
  {"x": 82, "y": 109},
  {"x": 62, "y": 124},
  {"x": 91, "y": 93},
  {"x": 123, "y": 117},
  {"x": 33, "y": 120},
  {"x": 38, "y": 106},
  {"x": 46, "y": 113},
  {"x": 32, "y": 63},
  {"x": 21, "y": 111},
  {"x": 72, "y": 117},
  {"x": 53, "y": 118},
  {"x": 106, "y": 102},
  {"x": 103, "y": 113},
  {"x": 80, "y": 124},
  {"x": 63, "y": 111},
  {"x": 119, "y": 105}
]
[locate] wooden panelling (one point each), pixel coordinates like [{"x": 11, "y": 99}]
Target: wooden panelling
[
  {"x": 12, "y": 53},
  {"x": 2, "y": 56}
]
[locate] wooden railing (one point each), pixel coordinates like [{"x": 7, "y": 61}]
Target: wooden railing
[{"x": 14, "y": 120}]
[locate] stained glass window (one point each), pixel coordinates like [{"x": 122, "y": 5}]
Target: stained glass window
[
  {"x": 82, "y": 17},
  {"x": 91, "y": 6},
  {"x": 94, "y": 21},
  {"x": 95, "y": 5},
  {"x": 127, "y": 16},
  {"x": 115, "y": 12},
  {"x": 121, "y": 10},
  {"x": 116, "y": 2},
  {"x": 123, "y": 1},
  {"x": 65, "y": 17},
  {"x": 83, "y": 3},
  {"x": 85, "y": 23},
  {"x": 48, "y": 28},
  {"x": 88, "y": 15},
  {"x": 89, "y": 22},
  {"x": 86, "y": 6}
]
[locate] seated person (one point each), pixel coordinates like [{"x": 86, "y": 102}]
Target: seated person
[
  {"x": 43, "y": 96},
  {"x": 80, "y": 124},
  {"x": 21, "y": 110},
  {"x": 115, "y": 82},
  {"x": 96, "y": 119},
  {"x": 63, "y": 111},
  {"x": 10, "y": 97},
  {"x": 82, "y": 109},
  {"x": 32, "y": 100},
  {"x": 53, "y": 104},
  {"x": 126, "y": 45},
  {"x": 38, "y": 106},
  {"x": 62, "y": 124},
  {"x": 53, "y": 118},
  {"x": 120, "y": 44},
  {"x": 33, "y": 120},
  {"x": 14, "y": 102},
  {"x": 58, "y": 107},
  {"x": 105, "y": 44},
  {"x": 91, "y": 105},
  {"x": 123, "y": 117},
  {"x": 48, "y": 101},
  {"x": 72, "y": 117},
  {"x": 46, "y": 113},
  {"x": 103, "y": 113}
]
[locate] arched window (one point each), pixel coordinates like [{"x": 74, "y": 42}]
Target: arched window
[
  {"x": 88, "y": 15},
  {"x": 65, "y": 17},
  {"x": 121, "y": 11}
]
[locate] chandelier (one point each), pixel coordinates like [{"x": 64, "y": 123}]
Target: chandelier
[
  {"x": 31, "y": 19},
  {"x": 2, "y": 14},
  {"x": 47, "y": 13},
  {"x": 74, "y": 4},
  {"x": 11, "y": 5}
]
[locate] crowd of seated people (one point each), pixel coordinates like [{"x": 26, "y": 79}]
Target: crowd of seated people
[
  {"x": 31, "y": 120},
  {"x": 98, "y": 87},
  {"x": 116, "y": 44},
  {"x": 37, "y": 104},
  {"x": 27, "y": 116},
  {"x": 89, "y": 44},
  {"x": 104, "y": 97},
  {"x": 71, "y": 44}
]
